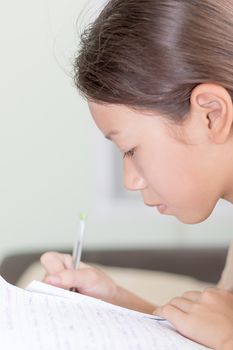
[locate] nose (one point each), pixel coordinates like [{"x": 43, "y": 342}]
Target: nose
[{"x": 133, "y": 181}]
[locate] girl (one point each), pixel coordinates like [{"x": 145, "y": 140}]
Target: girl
[{"x": 158, "y": 78}]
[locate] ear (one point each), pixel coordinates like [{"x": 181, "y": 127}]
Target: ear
[{"x": 213, "y": 104}]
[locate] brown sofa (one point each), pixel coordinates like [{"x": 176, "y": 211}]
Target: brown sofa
[{"x": 204, "y": 264}]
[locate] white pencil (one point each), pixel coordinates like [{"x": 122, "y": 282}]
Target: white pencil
[
  {"x": 78, "y": 246},
  {"x": 77, "y": 250}
]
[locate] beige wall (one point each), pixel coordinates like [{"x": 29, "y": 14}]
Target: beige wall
[{"x": 53, "y": 162}]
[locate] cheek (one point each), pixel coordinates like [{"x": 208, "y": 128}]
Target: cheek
[
  {"x": 181, "y": 181},
  {"x": 185, "y": 193},
  {"x": 167, "y": 170}
]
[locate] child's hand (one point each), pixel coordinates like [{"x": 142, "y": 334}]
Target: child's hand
[
  {"x": 87, "y": 280},
  {"x": 205, "y": 317}
]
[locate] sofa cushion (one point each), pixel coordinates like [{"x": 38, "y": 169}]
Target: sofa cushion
[{"x": 154, "y": 286}]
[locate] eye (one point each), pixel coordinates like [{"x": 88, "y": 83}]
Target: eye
[{"x": 129, "y": 154}]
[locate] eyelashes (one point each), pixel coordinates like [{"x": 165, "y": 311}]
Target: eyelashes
[{"x": 129, "y": 154}]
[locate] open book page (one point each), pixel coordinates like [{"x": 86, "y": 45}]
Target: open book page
[
  {"x": 40, "y": 321},
  {"x": 43, "y": 288}
]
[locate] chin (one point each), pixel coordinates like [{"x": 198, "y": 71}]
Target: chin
[{"x": 194, "y": 218}]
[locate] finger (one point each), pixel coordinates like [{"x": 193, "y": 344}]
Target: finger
[
  {"x": 47, "y": 279},
  {"x": 192, "y": 295},
  {"x": 182, "y": 304},
  {"x": 44, "y": 278},
  {"x": 54, "y": 262},
  {"x": 80, "y": 279},
  {"x": 82, "y": 265},
  {"x": 173, "y": 314},
  {"x": 213, "y": 290}
]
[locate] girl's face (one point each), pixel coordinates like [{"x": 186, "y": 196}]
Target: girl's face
[{"x": 173, "y": 168}]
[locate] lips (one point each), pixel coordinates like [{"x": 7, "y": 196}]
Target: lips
[
  {"x": 153, "y": 205},
  {"x": 161, "y": 208}
]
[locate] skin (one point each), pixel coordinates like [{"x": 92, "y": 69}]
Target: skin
[
  {"x": 183, "y": 170},
  {"x": 206, "y": 317},
  {"x": 182, "y": 167}
]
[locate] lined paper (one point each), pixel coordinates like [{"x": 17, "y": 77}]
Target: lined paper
[{"x": 49, "y": 318}]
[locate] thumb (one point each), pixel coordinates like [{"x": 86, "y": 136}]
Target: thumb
[{"x": 54, "y": 262}]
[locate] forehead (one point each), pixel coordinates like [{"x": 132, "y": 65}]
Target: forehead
[
  {"x": 111, "y": 112},
  {"x": 112, "y": 118}
]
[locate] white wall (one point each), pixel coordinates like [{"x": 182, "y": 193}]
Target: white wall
[{"x": 53, "y": 162}]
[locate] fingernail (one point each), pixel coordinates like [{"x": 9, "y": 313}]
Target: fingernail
[{"x": 53, "y": 279}]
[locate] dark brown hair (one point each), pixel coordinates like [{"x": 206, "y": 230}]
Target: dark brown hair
[{"x": 150, "y": 54}]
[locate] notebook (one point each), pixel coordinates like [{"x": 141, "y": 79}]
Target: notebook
[{"x": 44, "y": 317}]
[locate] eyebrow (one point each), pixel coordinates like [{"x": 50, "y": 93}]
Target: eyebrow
[{"x": 112, "y": 133}]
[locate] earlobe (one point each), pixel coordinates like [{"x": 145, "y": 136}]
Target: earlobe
[{"x": 214, "y": 104}]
